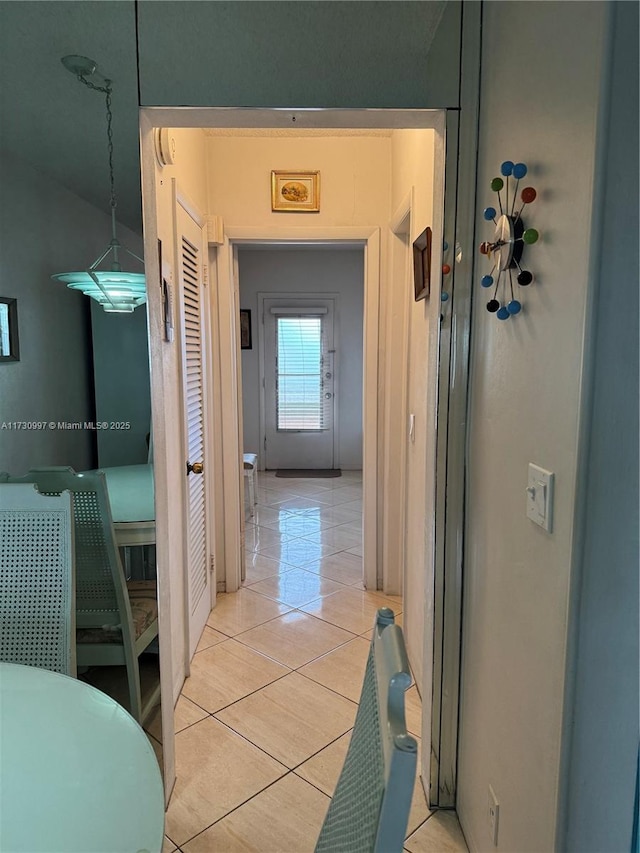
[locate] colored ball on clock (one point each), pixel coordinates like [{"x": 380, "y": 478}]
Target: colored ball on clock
[
  {"x": 519, "y": 170},
  {"x": 485, "y": 248},
  {"x": 446, "y": 269},
  {"x": 492, "y": 306},
  {"x": 503, "y": 313},
  {"x": 489, "y": 213},
  {"x": 525, "y": 278},
  {"x": 506, "y": 168},
  {"x": 528, "y": 195},
  {"x": 497, "y": 184},
  {"x": 514, "y": 307},
  {"x": 444, "y": 296},
  {"x": 530, "y": 236},
  {"x": 486, "y": 280},
  {"x": 445, "y": 246}
]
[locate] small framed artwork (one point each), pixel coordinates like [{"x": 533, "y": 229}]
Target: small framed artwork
[
  {"x": 295, "y": 192},
  {"x": 9, "y": 349},
  {"x": 422, "y": 265},
  {"x": 245, "y": 330}
]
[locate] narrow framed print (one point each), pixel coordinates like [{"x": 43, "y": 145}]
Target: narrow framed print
[
  {"x": 422, "y": 265},
  {"x": 295, "y": 192},
  {"x": 245, "y": 330}
]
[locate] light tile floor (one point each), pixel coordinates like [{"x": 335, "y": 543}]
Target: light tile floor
[{"x": 264, "y": 720}]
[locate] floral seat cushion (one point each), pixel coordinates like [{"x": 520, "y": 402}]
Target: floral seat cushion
[{"x": 144, "y": 611}]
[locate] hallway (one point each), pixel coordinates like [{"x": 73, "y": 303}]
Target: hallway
[{"x": 263, "y": 721}]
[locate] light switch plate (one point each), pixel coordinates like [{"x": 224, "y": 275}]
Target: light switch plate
[{"x": 540, "y": 497}]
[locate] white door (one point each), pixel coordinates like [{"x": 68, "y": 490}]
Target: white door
[
  {"x": 189, "y": 252},
  {"x": 299, "y": 386}
]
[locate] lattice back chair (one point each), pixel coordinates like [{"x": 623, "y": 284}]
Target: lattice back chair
[
  {"x": 115, "y": 621},
  {"x": 370, "y": 806},
  {"x": 37, "y": 590}
]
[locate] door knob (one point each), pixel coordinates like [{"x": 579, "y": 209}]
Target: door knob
[
  {"x": 196, "y": 468},
  {"x": 328, "y": 395}
]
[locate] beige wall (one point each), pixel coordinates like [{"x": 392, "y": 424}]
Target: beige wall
[
  {"x": 355, "y": 179},
  {"x": 526, "y": 387}
]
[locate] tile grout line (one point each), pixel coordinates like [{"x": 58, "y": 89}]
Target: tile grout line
[
  {"x": 248, "y": 800},
  {"x": 286, "y": 566}
]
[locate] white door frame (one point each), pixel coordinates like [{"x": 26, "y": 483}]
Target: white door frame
[
  {"x": 397, "y": 338},
  {"x": 368, "y": 237}
]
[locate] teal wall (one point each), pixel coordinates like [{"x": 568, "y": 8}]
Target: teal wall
[
  {"x": 122, "y": 385},
  {"x": 45, "y": 229},
  {"x": 604, "y": 745},
  {"x": 299, "y": 54}
]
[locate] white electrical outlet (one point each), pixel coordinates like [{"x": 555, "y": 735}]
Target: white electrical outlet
[{"x": 493, "y": 814}]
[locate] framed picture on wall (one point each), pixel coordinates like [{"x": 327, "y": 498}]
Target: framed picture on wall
[
  {"x": 9, "y": 349},
  {"x": 245, "y": 329},
  {"x": 295, "y": 192},
  {"x": 422, "y": 265}
]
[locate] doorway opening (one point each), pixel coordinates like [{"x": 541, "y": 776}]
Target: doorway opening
[
  {"x": 356, "y": 436},
  {"x": 364, "y": 219},
  {"x": 302, "y": 396}
]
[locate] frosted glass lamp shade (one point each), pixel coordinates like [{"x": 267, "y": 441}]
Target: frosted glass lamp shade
[{"x": 118, "y": 293}]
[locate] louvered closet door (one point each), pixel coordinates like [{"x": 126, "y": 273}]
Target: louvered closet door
[{"x": 190, "y": 243}]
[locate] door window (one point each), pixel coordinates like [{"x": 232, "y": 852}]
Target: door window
[{"x": 300, "y": 401}]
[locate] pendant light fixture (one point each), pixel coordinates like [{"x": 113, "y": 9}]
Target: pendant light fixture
[{"x": 115, "y": 289}]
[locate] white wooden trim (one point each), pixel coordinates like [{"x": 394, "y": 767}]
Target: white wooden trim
[
  {"x": 262, "y": 413},
  {"x": 190, "y": 206},
  {"x": 177, "y": 294},
  {"x": 214, "y": 416},
  {"x": 232, "y": 447},
  {"x": 250, "y": 117},
  {"x": 208, "y": 428},
  {"x": 171, "y": 671},
  {"x": 370, "y": 410},
  {"x": 400, "y": 220},
  {"x": 235, "y": 281},
  {"x": 396, "y": 384},
  {"x": 270, "y": 234}
]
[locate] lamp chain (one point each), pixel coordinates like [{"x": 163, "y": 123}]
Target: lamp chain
[{"x": 106, "y": 90}]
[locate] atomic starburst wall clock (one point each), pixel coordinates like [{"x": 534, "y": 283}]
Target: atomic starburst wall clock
[{"x": 510, "y": 237}]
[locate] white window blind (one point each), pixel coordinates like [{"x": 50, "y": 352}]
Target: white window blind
[{"x": 300, "y": 401}]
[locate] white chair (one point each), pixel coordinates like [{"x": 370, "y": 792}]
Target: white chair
[
  {"x": 37, "y": 587},
  {"x": 370, "y": 806},
  {"x": 250, "y": 462},
  {"x": 115, "y": 621}
]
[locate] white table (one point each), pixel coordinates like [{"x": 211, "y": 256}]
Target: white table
[
  {"x": 77, "y": 773},
  {"x": 131, "y": 495}
]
